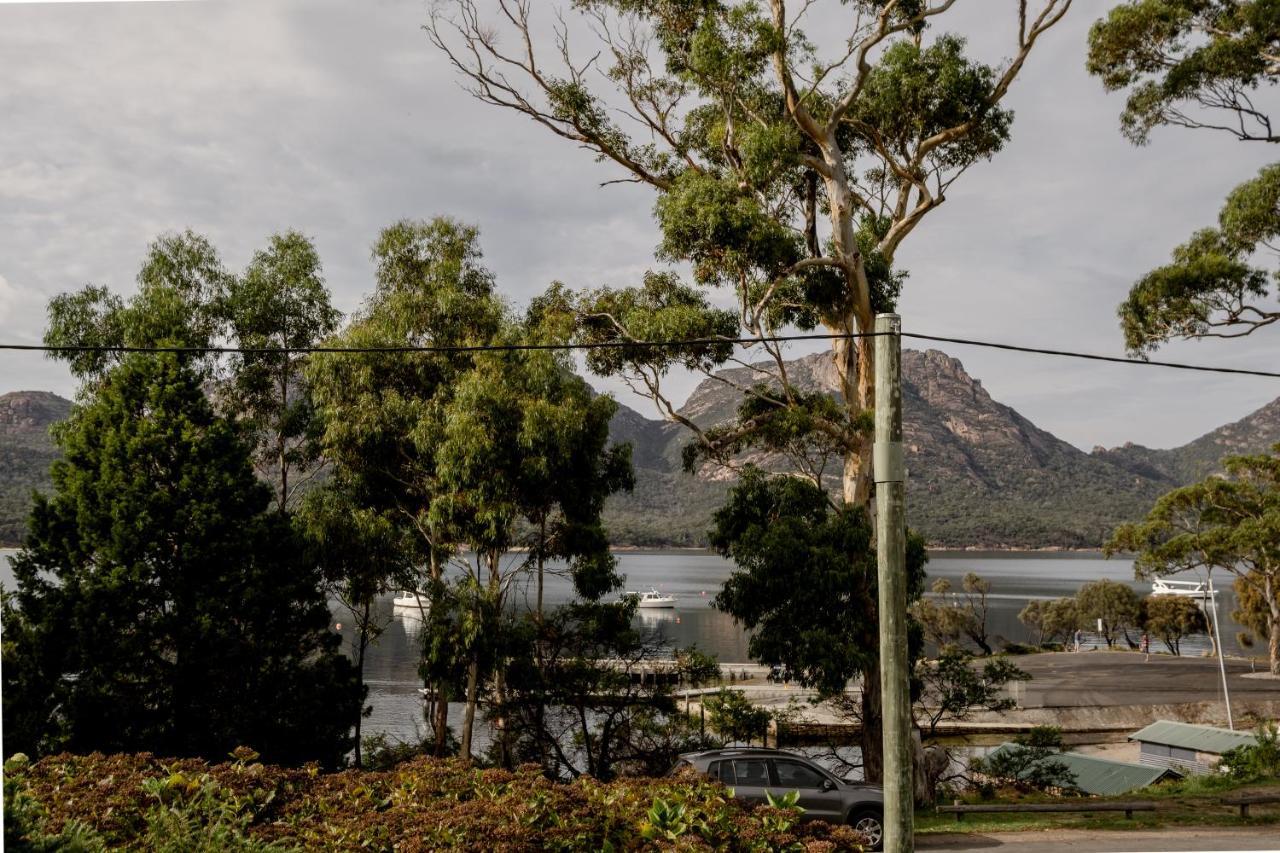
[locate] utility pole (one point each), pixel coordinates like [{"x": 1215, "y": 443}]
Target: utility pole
[
  {"x": 891, "y": 556},
  {"x": 1222, "y": 659}
]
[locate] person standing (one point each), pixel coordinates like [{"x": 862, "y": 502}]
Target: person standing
[{"x": 1077, "y": 640}]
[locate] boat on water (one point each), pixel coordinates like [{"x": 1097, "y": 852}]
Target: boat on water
[
  {"x": 652, "y": 599},
  {"x": 410, "y": 598},
  {"x": 1185, "y": 589}
]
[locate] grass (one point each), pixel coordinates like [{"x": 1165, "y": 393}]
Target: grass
[{"x": 1195, "y": 801}]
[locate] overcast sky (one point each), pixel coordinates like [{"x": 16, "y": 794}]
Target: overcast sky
[{"x": 120, "y": 121}]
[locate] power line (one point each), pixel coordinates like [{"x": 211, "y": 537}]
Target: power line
[
  {"x": 616, "y": 344},
  {"x": 1175, "y": 365}
]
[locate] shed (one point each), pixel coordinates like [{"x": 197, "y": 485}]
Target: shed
[
  {"x": 1186, "y": 746},
  {"x": 1105, "y": 777}
]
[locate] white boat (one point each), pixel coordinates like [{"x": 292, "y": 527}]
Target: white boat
[
  {"x": 1185, "y": 589},
  {"x": 410, "y": 598},
  {"x": 652, "y": 599}
]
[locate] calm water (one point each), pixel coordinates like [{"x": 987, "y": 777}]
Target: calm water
[{"x": 391, "y": 667}]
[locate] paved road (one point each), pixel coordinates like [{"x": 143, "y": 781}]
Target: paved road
[
  {"x": 1124, "y": 678},
  {"x": 1076, "y": 841}
]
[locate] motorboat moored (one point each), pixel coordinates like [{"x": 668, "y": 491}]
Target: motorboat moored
[
  {"x": 411, "y": 598},
  {"x": 652, "y": 599},
  {"x": 1184, "y": 589}
]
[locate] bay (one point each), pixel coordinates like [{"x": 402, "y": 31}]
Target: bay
[{"x": 694, "y": 577}]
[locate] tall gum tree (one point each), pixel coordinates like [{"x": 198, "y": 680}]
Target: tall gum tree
[
  {"x": 751, "y": 136},
  {"x": 1202, "y": 65},
  {"x": 481, "y": 449}
]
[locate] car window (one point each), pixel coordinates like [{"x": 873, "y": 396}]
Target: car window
[
  {"x": 793, "y": 774},
  {"x": 751, "y": 771}
]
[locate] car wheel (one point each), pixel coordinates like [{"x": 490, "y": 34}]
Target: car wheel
[{"x": 869, "y": 823}]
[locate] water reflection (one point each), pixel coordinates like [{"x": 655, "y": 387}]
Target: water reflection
[{"x": 695, "y": 577}]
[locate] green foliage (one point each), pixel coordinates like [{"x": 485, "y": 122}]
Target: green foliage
[
  {"x": 156, "y": 553},
  {"x": 805, "y": 578},
  {"x": 1172, "y": 617},
  {"x": 575, "y": 701},
  {"x": 1053, "y": 621},
  {"x": 495, "y": 449},
  {"x": 182, "y": 287},
  {"x": 1177, "y": 56},
  {"x": 1230, "y": 522},
  {"x": 661, "y": 309},
  {"x": 280, "y": 302},
  {"x": 1028, "y": 764},
  {"x": 1112, "y": 604},
  {"x": 420, "y": 804},
  {"x": 916, "y": 92},
  {"x": 1213, "y": 287},
  {"x": 1257, "y": 762},
  {"x": 956, "y": 616},
  {"x": 732, "y": 715},
  {"x": 952, "y": 689},
  {"x": 1182, "y": 61},
  {"x": 187, "y": 298}
]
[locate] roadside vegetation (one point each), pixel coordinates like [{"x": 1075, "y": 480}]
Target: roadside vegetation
[{"x": 61, "y": 803}]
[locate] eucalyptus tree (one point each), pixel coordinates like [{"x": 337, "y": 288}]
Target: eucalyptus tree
[
  {"x": 279, "y": 303},
  {"x": 1230, "y": 523},
  {"x": 362, "y": 553},
  {"x": 1200, "y": 64},
  {"x": 750, "y": 136},
  {"x": 182, "y": 285},
  {"x": 383, "y": 411},
  {"x": 525, "y": 440},
  {"x": 188, "y": 298},
  {"x": 466, "y": 446}
]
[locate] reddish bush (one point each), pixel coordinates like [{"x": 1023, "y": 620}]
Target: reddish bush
[{"x": 135, "y": 801}]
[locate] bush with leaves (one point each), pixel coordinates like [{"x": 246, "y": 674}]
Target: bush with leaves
[
  {"x": 731, "y": 715},
  {"x": 1255, "y": 762},
  {"x": 1028, "y": 764},
  {"x": 424, "y": 804},
  {"x": 1051, "y": 620}
]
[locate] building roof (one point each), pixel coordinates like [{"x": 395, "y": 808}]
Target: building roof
[
  {"x": 1104, "y": 777},
  {"x": 1190, "y": 736}
]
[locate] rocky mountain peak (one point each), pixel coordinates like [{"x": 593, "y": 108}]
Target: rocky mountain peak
[{"x": 29, "y": 412}]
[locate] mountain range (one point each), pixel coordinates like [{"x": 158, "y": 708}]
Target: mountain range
[{"x": 980, "y": 475}]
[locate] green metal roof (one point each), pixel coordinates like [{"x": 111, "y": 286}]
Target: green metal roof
[
  {"x": 1190, "y": 736},
  {"x": 1104, "y": 777}
]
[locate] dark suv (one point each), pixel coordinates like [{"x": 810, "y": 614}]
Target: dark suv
[{"x": 753, "y": 772}]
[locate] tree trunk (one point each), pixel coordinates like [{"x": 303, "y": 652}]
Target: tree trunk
[
  {"x": 364, "y": 644},
  {"x": 872, "y": 727},
  {"x": 1273, "y": 644},
  {"x": 542, "y": 542},
  {"x": 439, "y": 690},
  {"x": 281, "y": 441},
  {"x": 469, "y": 718}
]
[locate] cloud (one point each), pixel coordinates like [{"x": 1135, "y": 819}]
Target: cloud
[{"x": 240, "y": 118}]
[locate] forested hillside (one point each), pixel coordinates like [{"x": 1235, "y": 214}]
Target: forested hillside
[{"x": 981, "y": 475}]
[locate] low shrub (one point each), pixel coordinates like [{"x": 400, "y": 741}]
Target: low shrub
[
  {"x": 141, "y": 802},
  {"x": 1258, "y": 761}
]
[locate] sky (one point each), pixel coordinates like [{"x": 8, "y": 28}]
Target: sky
[{"x": 122, "y": 121}]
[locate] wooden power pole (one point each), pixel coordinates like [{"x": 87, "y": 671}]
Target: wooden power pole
[{"x": 891, "y": 556}]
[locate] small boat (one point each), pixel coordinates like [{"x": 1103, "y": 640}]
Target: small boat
[
  {"x": 652, "y": 599},
  {"x": 1185, "y": 589},
  {"x": 410, "y": 598}
]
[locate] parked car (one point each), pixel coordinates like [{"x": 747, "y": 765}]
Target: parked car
[{"x": 752, "y": 773}]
